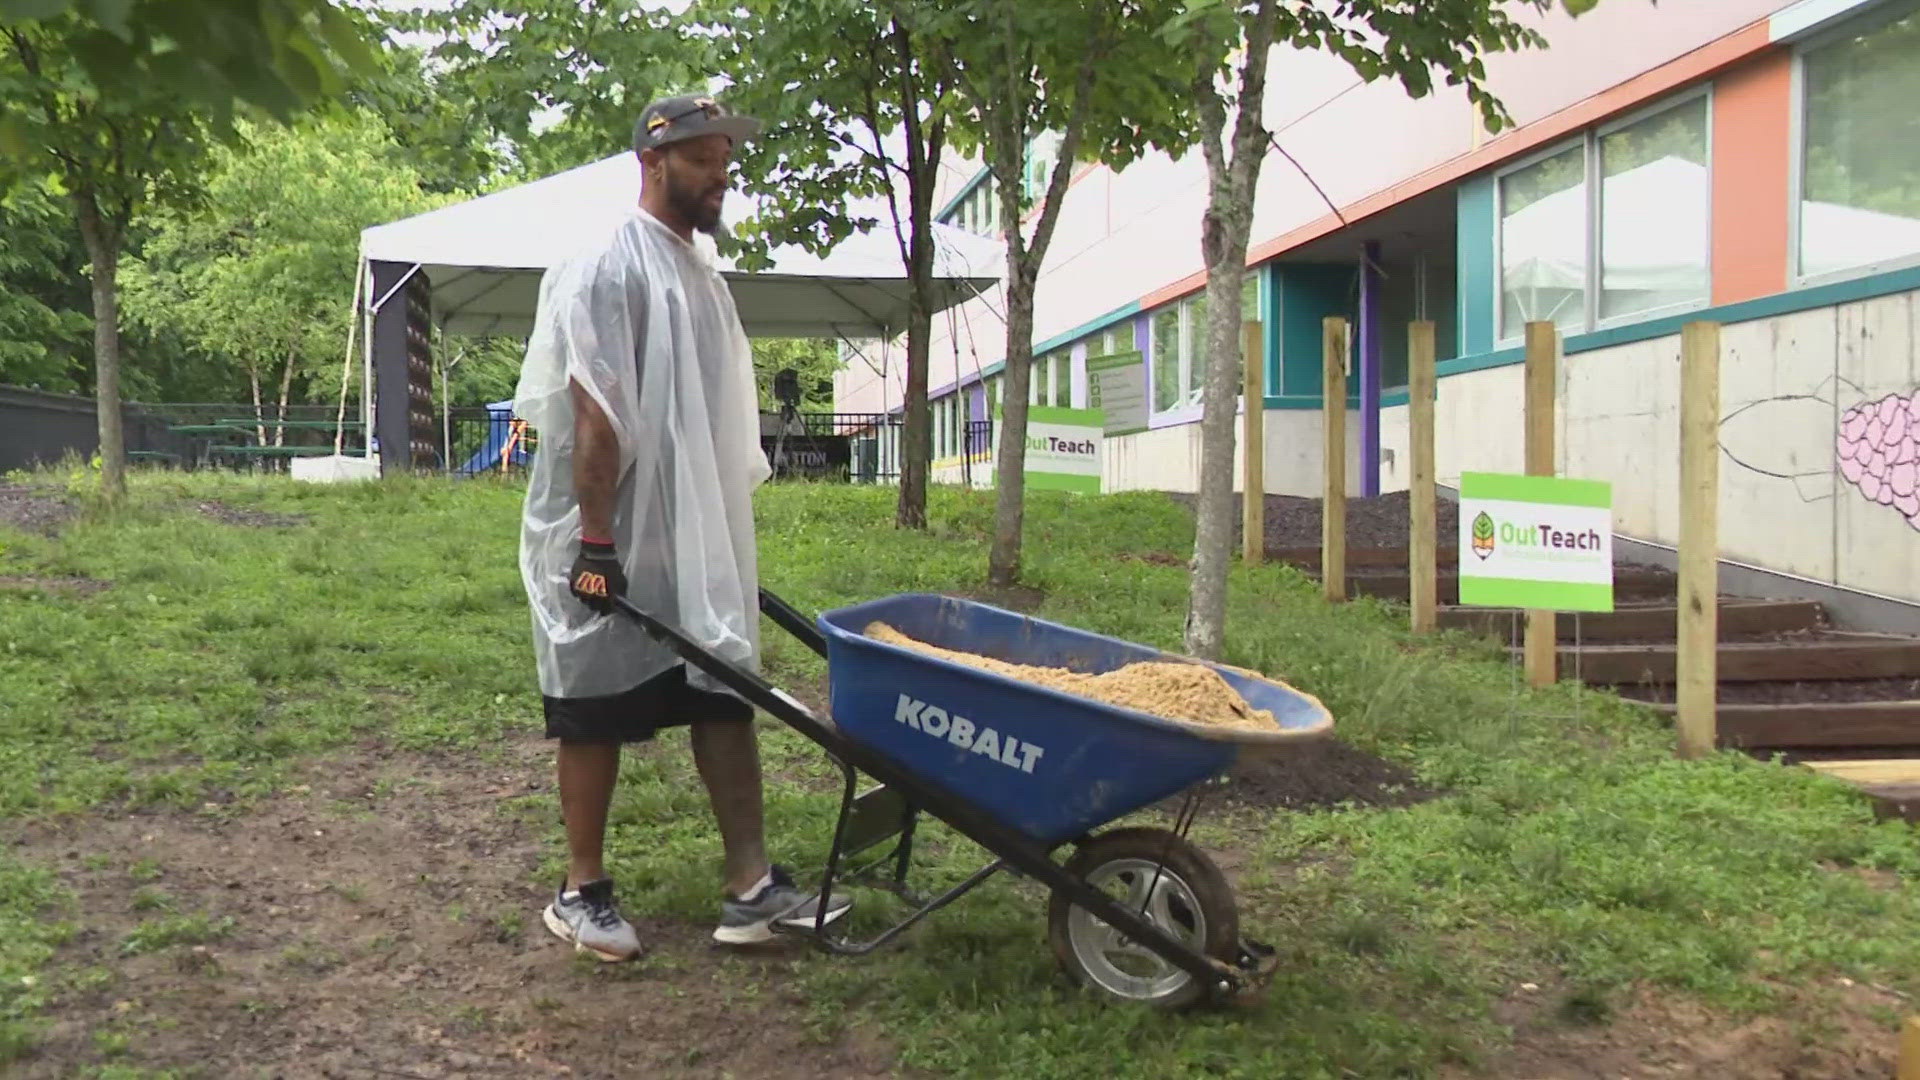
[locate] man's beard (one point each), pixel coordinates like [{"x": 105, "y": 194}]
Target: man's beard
[{"x": 696, "y": 210}]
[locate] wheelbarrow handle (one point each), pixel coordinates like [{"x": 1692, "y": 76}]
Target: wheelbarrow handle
[{"x": 788, "y": 618}]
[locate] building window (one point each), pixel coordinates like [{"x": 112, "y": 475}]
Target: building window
[
  {"x": 1179, "y": 348},
  {"x": 1167, "y": 360},
  {"x": 1042, "y": 151},
  {"x": 1543, "y": 243},
  {"x": 1051, "y": 382},
  {"x": 979, "y": 210},
  {"x": 1611, "y": 227},
  {"x": 1653, "y": 212},
  {"x": 1859, "y": 208}
]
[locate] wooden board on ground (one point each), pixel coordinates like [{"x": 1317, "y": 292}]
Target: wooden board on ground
[
  {"x": 1819, "y": 725},
  {"x": 1870, "y": 770},
  {"x": 1839, "y": 657},
  {"x": 1892, "y": 784},
  {"x": 1653, "y": 622}
]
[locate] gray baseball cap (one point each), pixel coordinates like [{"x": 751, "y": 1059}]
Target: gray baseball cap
[{"x": 677, "y": 118}]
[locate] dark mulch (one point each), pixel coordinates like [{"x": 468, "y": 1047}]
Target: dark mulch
[
  {"x": 1379, "y": 522},
  {"x": 33, "y": 509},
  {"x": 253, "y": 519},
  {"x": 38, "y": 583},
  {"x": 1793, "y": 693},
  {"x": 1155, "y": 558},
  {"x": 1324, "y": 774}
]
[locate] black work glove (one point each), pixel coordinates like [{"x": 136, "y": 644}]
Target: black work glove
[{"x": 596, "y": 577}]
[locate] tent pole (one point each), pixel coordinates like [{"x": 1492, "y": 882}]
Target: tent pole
[
  {"x": 366, "y": 370},
  {"x": 346, "y": 364}
]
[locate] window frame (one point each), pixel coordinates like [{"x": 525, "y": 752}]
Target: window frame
[
  {"x": 1878, "y": 16},
  {"x": 1588, "y": 141},
  {"x": 1190, "y": 348},
  {"x": 1596, "y": 221}
]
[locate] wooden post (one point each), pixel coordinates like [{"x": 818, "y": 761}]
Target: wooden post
[
  {"x": 1333, "y": 510},
  {"x": 1543, "y": 346},
  {"x": 1423, "y": 554},
  {"x": 1253, "y": 442},
  {"x": 1910, "y": 1049},
  {"x": 1698, "y": 651}
]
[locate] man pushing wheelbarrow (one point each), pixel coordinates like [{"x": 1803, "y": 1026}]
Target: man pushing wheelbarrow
[{"x": 639, "y": 378}]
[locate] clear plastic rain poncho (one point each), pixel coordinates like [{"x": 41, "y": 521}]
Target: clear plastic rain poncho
[{"x": 645, "y": 323}]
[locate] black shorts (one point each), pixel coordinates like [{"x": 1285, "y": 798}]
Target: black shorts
[{"x": 664, "y": 701}]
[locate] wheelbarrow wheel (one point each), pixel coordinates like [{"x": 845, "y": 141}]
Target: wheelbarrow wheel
[{"x": 1174, "y": 886}]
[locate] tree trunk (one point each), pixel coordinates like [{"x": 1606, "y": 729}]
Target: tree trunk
[
  {"x": 286, "y": 390},
  {"x": 924, "y": 142},
  {"x": 916, "y": 437},
  {"x": 259, "y": 412},
  {"x": 103, "y": 252},
  {"x": 1010, "y": 468},
  {"x": 1025, "y": 256},
  {"x": 1223, "y": 242}
]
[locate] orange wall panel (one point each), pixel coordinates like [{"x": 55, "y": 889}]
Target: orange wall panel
[{"x": 1752, "y": 162}]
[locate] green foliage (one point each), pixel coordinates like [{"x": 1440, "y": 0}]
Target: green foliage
[
  {"x": 261, "y": 271},
  {"x": 428, "y": 112},
  {"x": 561, "y": 82},
  {"x": 1409, "y": 42},
  {"x": 46, "y": 335},
  {"x": 878, "y": 115},
  {"x": 277, "y": 55},
  {"x": 814, "y": 360},
  {"x": 1099, "y": 76}
]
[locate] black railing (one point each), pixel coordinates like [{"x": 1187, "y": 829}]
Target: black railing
[{"x": 860, "y": 448}]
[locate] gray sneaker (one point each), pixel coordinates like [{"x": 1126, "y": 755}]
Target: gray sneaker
[
  {"x": 588, "y": 919},
  {"x": 750, "y": 920}
]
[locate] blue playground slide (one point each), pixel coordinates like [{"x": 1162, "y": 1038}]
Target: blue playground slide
[{"x": 499, "y": 429}]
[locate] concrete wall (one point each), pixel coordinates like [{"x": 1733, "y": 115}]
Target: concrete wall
[
  {"x": 1169, "y": 459},
  {"x": 1797, "y": 391}
]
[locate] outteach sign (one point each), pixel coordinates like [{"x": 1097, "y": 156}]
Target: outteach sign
[
  {"x": 1064, "y": 449},
  {"x": 1538, "y": 542}
]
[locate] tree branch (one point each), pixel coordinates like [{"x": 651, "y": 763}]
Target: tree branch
[
  {"x": 872, "y": 117},
  {"x": 1063, "y": 165}
]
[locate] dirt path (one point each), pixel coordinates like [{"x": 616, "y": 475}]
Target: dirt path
[{"x": 385, "y": 923}]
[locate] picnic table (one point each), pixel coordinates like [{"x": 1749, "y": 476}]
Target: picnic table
[{"x": 233, "y": 439}]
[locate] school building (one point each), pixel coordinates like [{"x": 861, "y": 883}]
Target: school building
[{"x": 1751, "y": 162}]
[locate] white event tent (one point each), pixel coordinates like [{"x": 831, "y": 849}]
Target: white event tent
[{"x": 483, "y": 260}]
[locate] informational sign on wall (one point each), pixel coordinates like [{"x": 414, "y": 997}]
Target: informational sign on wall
[
  {"x": 1538, "y": 542},
  {"x": 1064, "y": 448},
  {"x": 1117, "y": 387}
]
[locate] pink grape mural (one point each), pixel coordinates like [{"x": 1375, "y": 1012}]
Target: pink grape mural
[{"x": 1878, "y": 451}]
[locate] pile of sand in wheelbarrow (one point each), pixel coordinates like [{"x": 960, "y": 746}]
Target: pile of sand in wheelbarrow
[{"x": 1170, "y": 689}]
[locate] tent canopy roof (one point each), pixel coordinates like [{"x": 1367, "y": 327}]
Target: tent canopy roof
[{"x": 484, "y": 259}]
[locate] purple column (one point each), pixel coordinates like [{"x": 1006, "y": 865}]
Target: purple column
[
  {"x": 1370, "y": 371},
  {"x": 977, "y": 415}
]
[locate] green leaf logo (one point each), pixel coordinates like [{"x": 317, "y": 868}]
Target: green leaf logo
[{"x": 1483, "y": 535}]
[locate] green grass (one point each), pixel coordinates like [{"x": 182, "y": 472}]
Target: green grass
[{"x": 1570, "y": 849}]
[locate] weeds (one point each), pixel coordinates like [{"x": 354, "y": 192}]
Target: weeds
[{"x": 1569, "y": 845}]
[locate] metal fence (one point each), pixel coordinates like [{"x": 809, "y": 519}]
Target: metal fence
[
  {"x": 39, "y": 429},
  {"x": 860, "y": 448}
]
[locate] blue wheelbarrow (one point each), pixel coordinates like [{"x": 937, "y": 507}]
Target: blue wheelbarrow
[{"x": 1138, "y": 914}]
